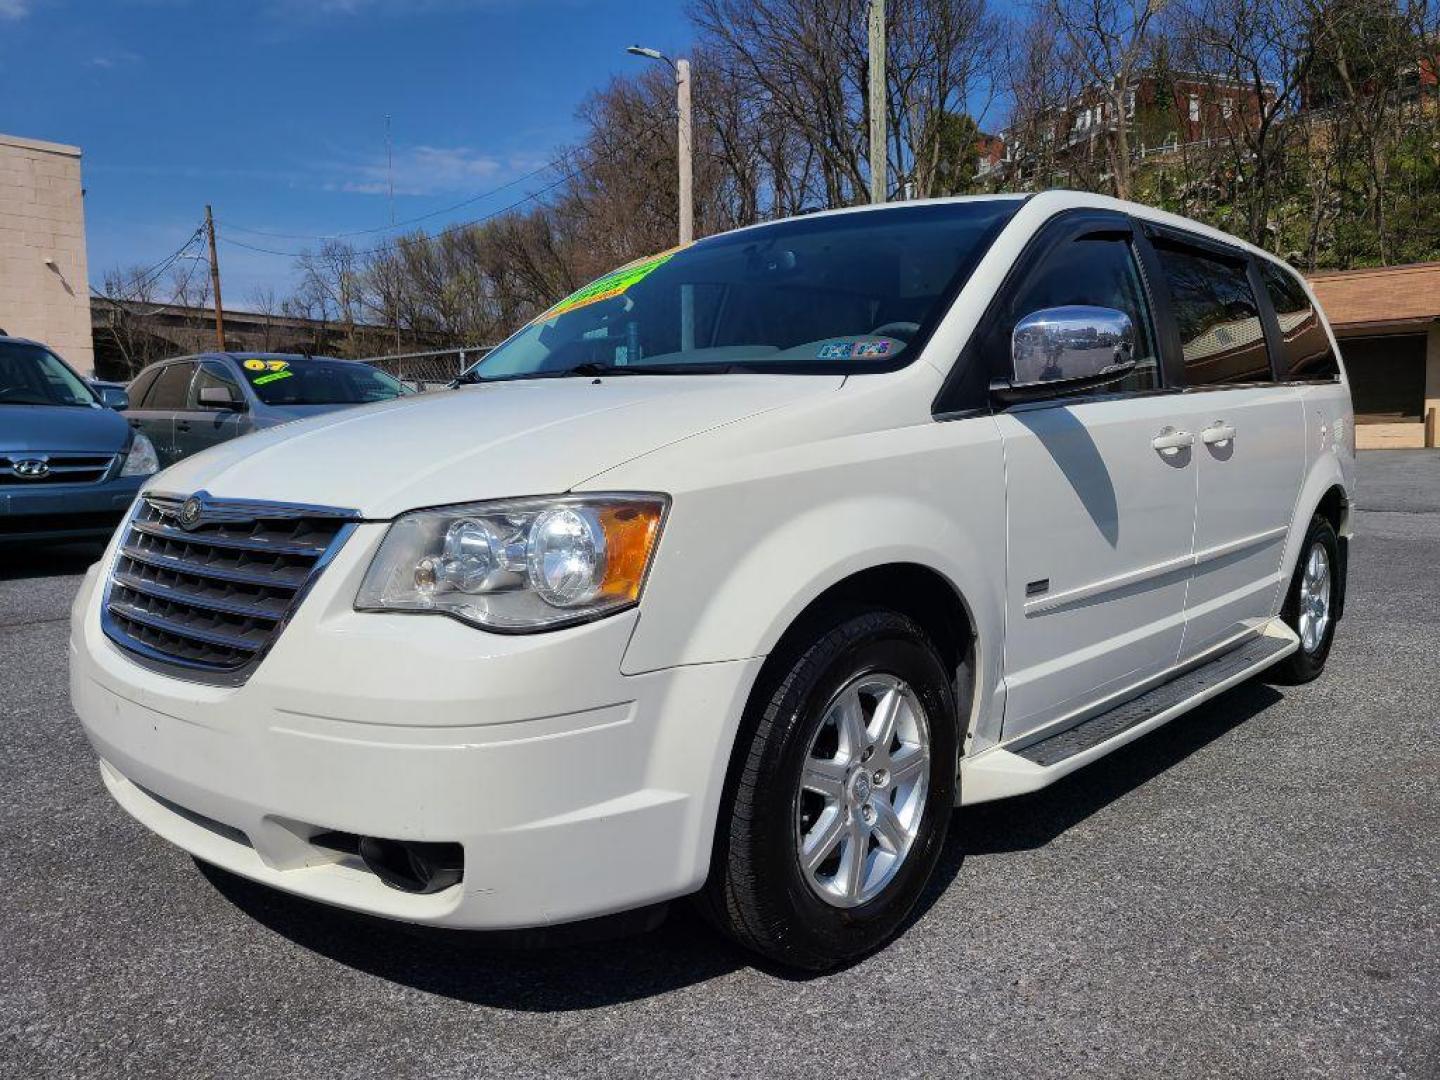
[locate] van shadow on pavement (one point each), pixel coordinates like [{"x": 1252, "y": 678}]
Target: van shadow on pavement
[{"x": 592, "y": 967}]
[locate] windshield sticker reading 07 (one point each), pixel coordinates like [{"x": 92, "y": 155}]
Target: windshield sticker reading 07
[{"x": 257, "y": 365}]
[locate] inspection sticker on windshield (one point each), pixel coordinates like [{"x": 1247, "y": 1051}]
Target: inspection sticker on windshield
[
  {"x": 852, "y": 350},
  {"x": 615, "y": 283}
]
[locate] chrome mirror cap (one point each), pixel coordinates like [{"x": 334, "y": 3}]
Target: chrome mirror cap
[{"x": 1071, "y": 348}]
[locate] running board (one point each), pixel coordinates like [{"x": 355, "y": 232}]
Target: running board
[{"x": 1028, "y": 764}]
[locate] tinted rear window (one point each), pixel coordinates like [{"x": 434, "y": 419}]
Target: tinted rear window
[
  {"x": 1305, "y": 351},
  {"x": 170, "y": 389},
  {"x": 1218, "y": 318}
]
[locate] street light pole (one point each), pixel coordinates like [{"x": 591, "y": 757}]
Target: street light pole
[{"x": 684, "y": 150}]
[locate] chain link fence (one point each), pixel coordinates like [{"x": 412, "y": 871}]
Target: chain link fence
[{"x": 432, "y": 370}]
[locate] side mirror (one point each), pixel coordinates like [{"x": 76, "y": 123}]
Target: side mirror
[
  {"x": 114, "y": 397},
  {"x": 1066, "y": 349},
  {"x": 219, "y": 397}
]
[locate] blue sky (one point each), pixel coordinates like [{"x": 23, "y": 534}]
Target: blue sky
[{"x": 273, "y": 110}]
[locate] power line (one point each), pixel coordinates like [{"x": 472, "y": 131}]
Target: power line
[
  {"x": 542, "y": 170},
  {"x": 148, "y": 277},
  {"x": 406, "y": 241},
  {"x": 145, "y": 278}
]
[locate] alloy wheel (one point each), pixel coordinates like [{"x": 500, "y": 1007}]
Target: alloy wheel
[
  {"x": 862, "y": 789},
  {"x": 1315, "y": 598}
]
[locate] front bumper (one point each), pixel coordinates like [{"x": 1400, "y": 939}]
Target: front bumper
[
  {"x": 65, "y": 511},
  {"x": 574, "y": 790}
]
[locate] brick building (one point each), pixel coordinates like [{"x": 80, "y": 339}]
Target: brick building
[
  {"x": 1388, "y": 323},
  {"x": 44, "y": 283},
  {"x": 1159, "y": 111}
]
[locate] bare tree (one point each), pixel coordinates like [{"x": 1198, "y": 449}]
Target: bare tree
[
  {"x": 1109, "y": 41},
  {"x": 266, "y": 303},
  {"x": 1251, "y": 55}
]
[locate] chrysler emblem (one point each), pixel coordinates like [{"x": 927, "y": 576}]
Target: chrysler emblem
[
  {"x": 190, "y": 513},
  {"x": 31, "y": 468}
]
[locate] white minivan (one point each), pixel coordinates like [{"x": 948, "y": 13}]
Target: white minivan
[{"x": 733, "y": 573}]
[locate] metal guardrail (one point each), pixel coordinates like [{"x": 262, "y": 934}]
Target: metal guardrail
[{"x": 430, "y": 370}]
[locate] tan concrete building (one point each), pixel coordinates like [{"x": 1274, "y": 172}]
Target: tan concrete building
[
  {"x": 1388, "y": 324},
  {"x": 44, "y": 282}
]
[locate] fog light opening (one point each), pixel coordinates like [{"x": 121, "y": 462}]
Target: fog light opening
[{"x": 413, "y": 866}]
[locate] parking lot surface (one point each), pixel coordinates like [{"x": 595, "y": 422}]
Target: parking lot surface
[{"x": 1253, "y": 890}]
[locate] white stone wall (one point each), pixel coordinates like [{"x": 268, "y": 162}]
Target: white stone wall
[{"x": 42, "y": 217}]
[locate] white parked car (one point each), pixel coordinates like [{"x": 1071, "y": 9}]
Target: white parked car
[{"x": 733, "y": 573}]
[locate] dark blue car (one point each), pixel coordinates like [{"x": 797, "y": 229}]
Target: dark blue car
[{"x": 70, "y": 465}]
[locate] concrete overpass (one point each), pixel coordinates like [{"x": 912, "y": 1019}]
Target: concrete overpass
[{"x": 128, "y": 335}]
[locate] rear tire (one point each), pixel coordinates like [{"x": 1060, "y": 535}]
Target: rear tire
[
  {"x": 1316, "y": 594},
  {"x": 840, "y": 794}
]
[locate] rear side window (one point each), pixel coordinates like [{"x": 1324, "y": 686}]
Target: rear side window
[
  {"x": 170, "y": 389},
  {"x": 141, "y": 385},
  {"x": 1099, "y": 271},
  {"x": 1218, "y": 318},
  {"x": 1305, "y": 351}
]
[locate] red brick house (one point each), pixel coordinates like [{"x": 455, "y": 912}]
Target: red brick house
[{"x": 1161, "y": 111}]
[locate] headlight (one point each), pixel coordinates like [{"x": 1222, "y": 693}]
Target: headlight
[
  {"x": 141, "y": 459},
  {"x": 518, "y": 564}
]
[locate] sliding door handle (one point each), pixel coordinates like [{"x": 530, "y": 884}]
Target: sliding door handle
[
  {"x": 1170, "y": 441},
  {"x": 1218, "y": 433}
]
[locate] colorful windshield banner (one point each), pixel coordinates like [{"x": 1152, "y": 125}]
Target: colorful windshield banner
[{"x": 615, "y": 283}]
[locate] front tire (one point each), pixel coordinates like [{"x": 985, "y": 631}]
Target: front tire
[
  {"x": 841, "y": 796},
  {"x": 1311, "y": 604}
]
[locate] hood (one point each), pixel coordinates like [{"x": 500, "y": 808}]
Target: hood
[
  {"x": 53, "y": 429},
  {"x": 532, "y": 437}
]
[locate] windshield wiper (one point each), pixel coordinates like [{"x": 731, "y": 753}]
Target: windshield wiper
[{"x": 597, "y": 370}]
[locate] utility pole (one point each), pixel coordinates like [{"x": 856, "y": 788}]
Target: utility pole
[
  {"x": 877, "y": 101},
  {"x": 684, "y": 151},
  {"x": 390, "y": 166},
  {"x": 215, "y": 280}
]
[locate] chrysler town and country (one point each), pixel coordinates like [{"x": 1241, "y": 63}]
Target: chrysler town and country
[{"x": 734, "y": 572}]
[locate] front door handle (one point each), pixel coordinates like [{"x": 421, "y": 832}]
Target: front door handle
[
  {"x": 182, "y": 425},
  {"x": 1171, "y": 441},
  {"x": 1218, "y": 433}
]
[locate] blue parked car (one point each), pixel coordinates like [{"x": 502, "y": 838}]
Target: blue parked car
[
  {"x": 190, "y": 403},
  {"x": 69, "y": 464}
]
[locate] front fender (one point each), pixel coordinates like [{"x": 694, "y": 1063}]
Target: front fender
[
  {"x": 748, "y": 594},
  {"x": 755, "y": 536}
]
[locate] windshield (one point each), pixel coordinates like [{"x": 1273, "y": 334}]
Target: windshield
[
  {"x": 33, "y": 375},
  {"x": 844, "y": 292},
  {"x": 300, "y": 380}
]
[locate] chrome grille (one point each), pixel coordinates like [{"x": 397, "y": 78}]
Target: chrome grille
[
  {"x": 202, "y": 587},
  {"x": 57, "y": 468}
]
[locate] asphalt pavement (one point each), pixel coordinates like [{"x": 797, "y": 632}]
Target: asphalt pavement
[{"x": 1253, "y": 890}]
